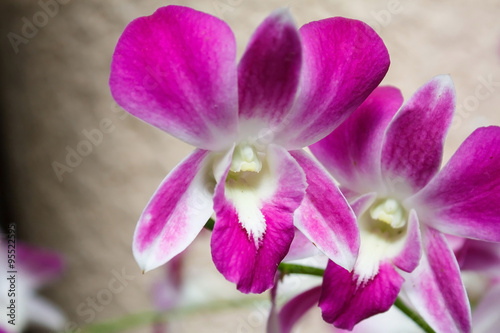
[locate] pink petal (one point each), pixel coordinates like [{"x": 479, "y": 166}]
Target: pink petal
[
  {"x": 40, "y": 266},
  {"x": 410, "y": 255},
  {"x": 456, "y": 243},
  {"x": 325, "y": 216},
  {"x": 463, "y": 199},
  {"x": 435, "y": 287},
  {"x": 301, "y": 247},
  {"x": 297, "y": 307},
  {"x": 360, "y": 204},
  {"x": 176, "y": 213},
  {"x": 413, "y": 145},
  {"x": 249, "y": 261},
  {"x": 345, "y": 302},
  {"x": 344, "y": 60},
  {"x": 176, "y": 70},
  {"x": 269, "y": 71},
  {"x": 352, "y": 152}
]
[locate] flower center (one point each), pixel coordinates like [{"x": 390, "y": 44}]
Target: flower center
[
  {"x": 389, "y": 211},
  {"x": 248, "y": 183},
  {"x": 245, "y": 158}
]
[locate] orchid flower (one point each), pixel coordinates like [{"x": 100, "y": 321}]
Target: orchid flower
[
  {"x": 35, "y": 268},
  {"x": 387, "y": 160},
  {"x": 176, "y": 70},
  {"x": 479, "y": 265},
  {"x": 479, "y": 257}
]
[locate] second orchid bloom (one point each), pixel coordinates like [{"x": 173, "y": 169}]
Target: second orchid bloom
[{"x": 387, "y": 159}]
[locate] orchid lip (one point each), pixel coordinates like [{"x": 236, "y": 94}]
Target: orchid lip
[{"x": 247, "y": 185}]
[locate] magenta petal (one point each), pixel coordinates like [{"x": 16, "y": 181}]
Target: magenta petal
[
  {"x": 325, "y": 216},
  {"x": 301, "y": 247},
  {"x": 345, "y": 302},
  {"x": 352, "y": 152},
  {"x": 39, "y": 265},
  {"x": 176, "y": 70},
  {"x": 297, "y": 307},
  {"x": 176, "y": 213},
  {"x": 413, "y": 145},
  {"x": 481, "y": 257},
  {"x": 361, "y": 203},
  {"x": 463, "y": 199},
  {"x": 344, "y": 60},
  {"x": 242, "y": 258},
  {"x": 435, "y": 287},
  {"x": 411, "y": 253},
  {"x": 269, "y": 70}
]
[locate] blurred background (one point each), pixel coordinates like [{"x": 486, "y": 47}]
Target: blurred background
[{"x": 54, "y": 91}]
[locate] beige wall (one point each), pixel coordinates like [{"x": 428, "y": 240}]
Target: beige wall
[{"x": 55, "y": 87}]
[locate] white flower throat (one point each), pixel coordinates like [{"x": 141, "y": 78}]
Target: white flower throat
[
  {"x": 247, "y": 184},
  {"x": 383, "y": 229}
]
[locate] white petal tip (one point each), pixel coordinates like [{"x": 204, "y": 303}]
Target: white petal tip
[
  {"x": 348, "y": 263},
  {"x": 444, "y": 80},
  {"x": 144, "y": 262},
  {"x": 284, "y": 14}
]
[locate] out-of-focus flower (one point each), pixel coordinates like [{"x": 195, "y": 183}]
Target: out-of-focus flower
[
  {"x": 480, "y": 264},
  {"x": 168, "y": 292},
  {"x": 34, "y": 269},
  {"x": 176, "y": 70},
  {"x": 388, "y": 162},
  {"x": 283, "y": 320},
  {"x": 301, "y": 292}
]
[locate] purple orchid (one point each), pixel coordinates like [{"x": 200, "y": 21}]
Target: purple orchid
[
  {"x": 388, "y": 163},
  {"x": 176, "y": 70}
]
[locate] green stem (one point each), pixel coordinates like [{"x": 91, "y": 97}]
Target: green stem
[
  {"x": 299, "y": 269},
  {"x": 210, "y": 224},
  {"x": 413, "y": 316}
]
